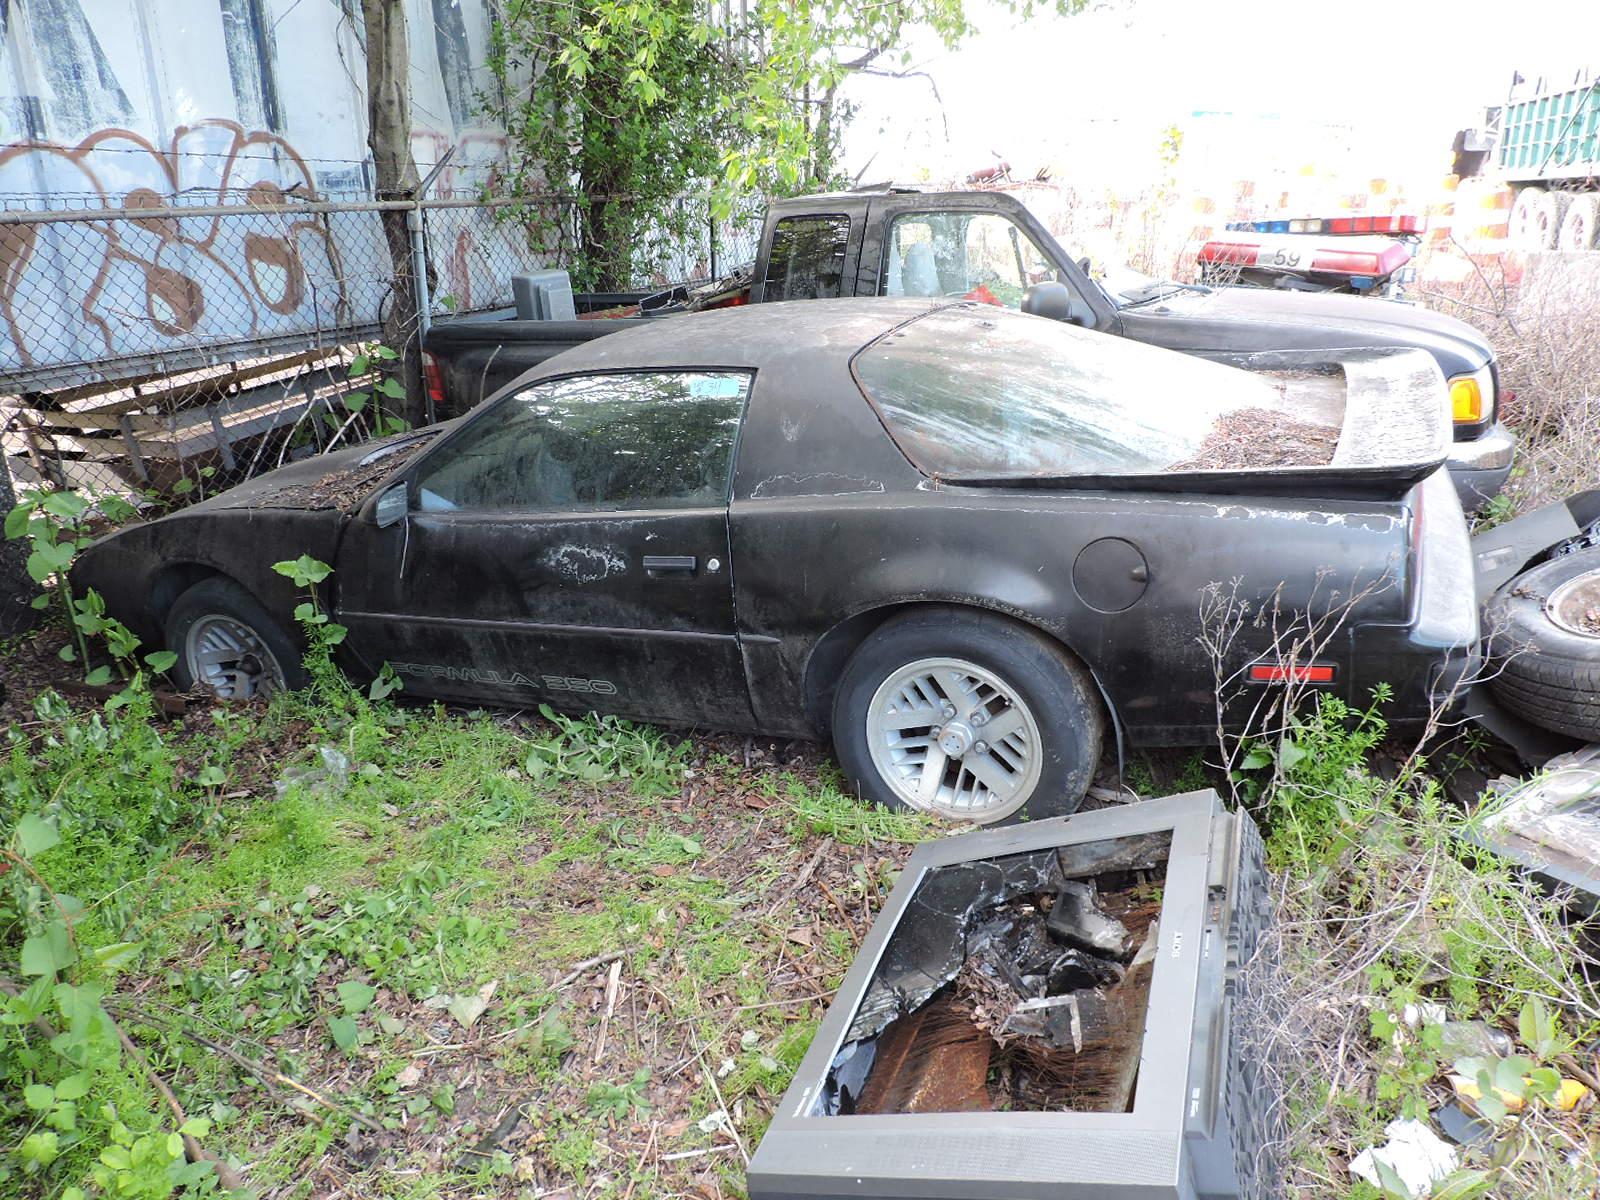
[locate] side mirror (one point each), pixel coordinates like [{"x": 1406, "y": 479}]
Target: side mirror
[
  {"x": 391, "y": 506},
  {"x": 1055, "y": 300}
]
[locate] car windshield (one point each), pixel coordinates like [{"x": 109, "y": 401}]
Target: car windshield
[{"x": 979, "y": 393}]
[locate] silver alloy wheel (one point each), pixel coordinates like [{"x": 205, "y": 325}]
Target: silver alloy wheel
[
  {"x": 952, "y": 738},
  {"x": 1575, "y": 605},
  {"x": 229, "y": 658}
]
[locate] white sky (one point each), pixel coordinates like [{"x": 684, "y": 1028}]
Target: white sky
[{"x": 1381, "y": 85}]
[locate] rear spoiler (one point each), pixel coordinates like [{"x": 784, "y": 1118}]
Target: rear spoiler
[{"x": 1397, "y": 431}]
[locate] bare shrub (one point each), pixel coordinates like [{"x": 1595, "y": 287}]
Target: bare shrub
[{"x": 1542, "y": 316}]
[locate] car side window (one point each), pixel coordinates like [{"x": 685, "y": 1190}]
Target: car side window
[
  {"x": 649, "y": 439},
  {"x": 980, "y": 256},
  {"x": 807, "y": 257}
]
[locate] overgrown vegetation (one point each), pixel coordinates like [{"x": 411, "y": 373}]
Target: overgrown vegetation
[
  {"x": 337, "y": 939},
  {"x": 1542, "y": 316},
  {"x": 1416, "y": 970},
  {"x": 630, "y": 105}
]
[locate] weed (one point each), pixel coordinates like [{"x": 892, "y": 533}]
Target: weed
[
  {"x": 828, "y": 812},
  {"x": 619, "y": 1099}
]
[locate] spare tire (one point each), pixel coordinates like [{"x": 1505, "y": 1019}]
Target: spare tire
[{"x": 1544, "y": 642}]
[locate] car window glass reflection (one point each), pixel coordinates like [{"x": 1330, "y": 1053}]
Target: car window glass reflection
[
  {"x": 807, "y": 258},
  {"x": 646, "y": 440},
  {"x": 978, "y": 256},
  {"x": 966, "y": 391}
]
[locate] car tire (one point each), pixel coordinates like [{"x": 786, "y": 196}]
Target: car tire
[
  {"x": 1546, "y": 665},
  {"x": 996, "y": 676},
  {"x": 215, "y": 618}
]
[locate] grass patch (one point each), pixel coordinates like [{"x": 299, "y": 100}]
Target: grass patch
[{"x": 393, "y": 907}]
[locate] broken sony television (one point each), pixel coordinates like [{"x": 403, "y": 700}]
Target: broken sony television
[{"x": 1049, "y": 1009}]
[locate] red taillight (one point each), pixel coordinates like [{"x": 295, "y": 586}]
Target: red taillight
[
  {"x": 432, "y": 378},
  {"x": 1289, "y": 673}
]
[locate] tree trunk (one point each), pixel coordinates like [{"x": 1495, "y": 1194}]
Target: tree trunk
[
  {"x": 389, "y": 136},
  {"x": 17, "y": 588}
]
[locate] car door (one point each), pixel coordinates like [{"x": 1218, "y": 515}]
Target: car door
[{"x": 568, "y": 545}]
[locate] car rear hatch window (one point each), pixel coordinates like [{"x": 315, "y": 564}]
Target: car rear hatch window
[{"x": 970, "y": 392}]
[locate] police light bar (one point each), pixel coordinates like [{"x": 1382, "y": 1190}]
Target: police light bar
[
  {"x": 1341, "y": 226},
  {"x": 1374, "y": 258}
]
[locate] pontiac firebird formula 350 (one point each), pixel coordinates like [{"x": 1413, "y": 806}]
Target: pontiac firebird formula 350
[{"x": 968, "y": 544}]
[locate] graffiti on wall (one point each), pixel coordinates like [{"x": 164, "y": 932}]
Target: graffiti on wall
[
  {"x": 96, "y": 290},
  {"x": 85, "y": 290}
]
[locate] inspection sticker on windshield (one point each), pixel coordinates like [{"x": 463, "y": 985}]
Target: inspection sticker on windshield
[{"x": 716, "y": 387}]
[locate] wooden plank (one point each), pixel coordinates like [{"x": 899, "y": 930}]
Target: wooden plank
[{"x": 188, "y": 384}]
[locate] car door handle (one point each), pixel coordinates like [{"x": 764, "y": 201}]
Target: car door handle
[{"x": 657, "y": 565}]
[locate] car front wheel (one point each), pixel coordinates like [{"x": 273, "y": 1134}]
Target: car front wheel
[
  {"x": 967, "y": 716},
  {"x": 227, "y": 643}
]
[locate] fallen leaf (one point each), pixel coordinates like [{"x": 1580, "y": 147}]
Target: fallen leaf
[
  {"x": 467, "y": 1009},
  {"x": 800, "y": 936},
  {"x": 664, "y": 871},
  {"x": 409, "y": 1076}
]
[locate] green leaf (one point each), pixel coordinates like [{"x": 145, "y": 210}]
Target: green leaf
[
  {"x": 345, "y": 1032},
  {"x": 356, "y": 996},
  {"x": 1290, "y": 755},
  {"x": 46, "y": 561},
  {"x": 17, "y": 521},
  {"x": 391, "y": 1025},
  {"x": 304, "y": 570},
  {"x": 47, "y": 952},
  {"x": 39, "y": 1096},
  {"x": 40, "y": 1149},
  {"x": 66, "y": 505},
  {"x": 98, "y": 677},
  {"x": 359, "y": 365},
  {"x": 1258, "y": 757},
  {"x": 117, "y": 955},
  {"x": 67, "y": 653},
  {"x": 1390, "y": 1182},
  {"x": 393, "y": 388},
  {"x": 35, "y": 835},
  {"x": 1461, "y": 1184},
  {"x": 1544, "y": 1081},
  {"x": 74, "y": 1087},
  {"x": 161, "y": 661},
  {"x": 196, "y": 1127}
]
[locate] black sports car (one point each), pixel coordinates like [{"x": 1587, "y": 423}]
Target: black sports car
[{"x": 969, "y": 544}]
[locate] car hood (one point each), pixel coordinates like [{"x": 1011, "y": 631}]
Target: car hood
[
  {"x": 1234, "y": 321},
  {"x": 338, "y": 479}
]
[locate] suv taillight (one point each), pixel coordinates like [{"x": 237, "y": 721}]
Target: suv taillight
[{"x": 432, "y": 379}]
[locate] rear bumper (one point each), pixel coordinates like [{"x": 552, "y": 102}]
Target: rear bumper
[
  {"x": 1479, "y": 467},
  {"x": 1430, "y": 660}
]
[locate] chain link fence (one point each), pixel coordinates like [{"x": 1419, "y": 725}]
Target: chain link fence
[{"x": 165, "y": 350}]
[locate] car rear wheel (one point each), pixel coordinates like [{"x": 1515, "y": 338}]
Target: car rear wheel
[
  {"x": 228, "y": 644},
  {"x": 967, "y": 716},
  {"x": 1544, "y": 632}
]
